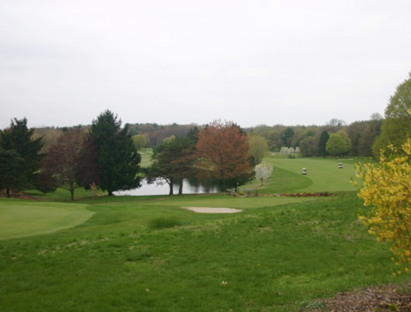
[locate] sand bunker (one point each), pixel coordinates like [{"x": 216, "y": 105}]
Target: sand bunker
[{"x": 212, "y": 210}]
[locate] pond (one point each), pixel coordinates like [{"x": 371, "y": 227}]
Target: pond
[{"x": 160, "y": 187}]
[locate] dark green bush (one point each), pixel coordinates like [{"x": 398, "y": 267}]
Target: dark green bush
[{"x": 164, "y": 222}]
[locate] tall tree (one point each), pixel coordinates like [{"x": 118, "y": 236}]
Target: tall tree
[
  {"x": 71, "y": 161},
  {"x": 307, "y": 147},
  {"x": 371, "y": 132},
  {"x": 173, "y": 160},
  {"x": 335, "y": 124},
  {"x": 258, "y": 148},
  {"x": 344, "y": 135},
  {"x": 20, "y": 139},
  {"x": 117, "y": 159},
  {"x": 223, "y": 151},
  {"x": 140, "y": 141},
  {"x": 287, "y": 136},
  {"x": 48, "y": 137},
  {"x": 396, "y": 127},
  {"x": 322, "y": 144},
  {"x": 12, "y": 178},
  {"x": 336, "y": 145}
]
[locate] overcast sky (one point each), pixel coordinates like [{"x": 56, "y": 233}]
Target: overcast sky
[{"x": 253, "y": 62}]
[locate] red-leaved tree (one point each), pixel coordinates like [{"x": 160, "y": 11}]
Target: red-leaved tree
[
  {"x": 71, "y": 161},
  {"x": 222, "y": 149}
]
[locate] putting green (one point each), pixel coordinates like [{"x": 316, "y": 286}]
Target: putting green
[{"x": 18, "y": 218}]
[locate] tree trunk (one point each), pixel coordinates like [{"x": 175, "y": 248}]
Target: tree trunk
[
  {"x": 110, "y": 193},
  {"x": 171, "y": 186},
  {"x": 8, "y": 192},
  {"x": 180, "y": 190},
  {"x": 72, "y": 192}
]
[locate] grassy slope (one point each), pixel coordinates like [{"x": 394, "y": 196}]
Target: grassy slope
[
  {"x": 146, "y": 157},
  {"x": 274, "y": 257},
  {"x": 280, "y": 254},
  {"x": 323, "y": 175}
]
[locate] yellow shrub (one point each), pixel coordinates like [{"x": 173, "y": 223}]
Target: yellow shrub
[{"x": 387, "y": 189}]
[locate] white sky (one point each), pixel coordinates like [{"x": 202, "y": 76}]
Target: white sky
[{"x": 63, "y": 62}]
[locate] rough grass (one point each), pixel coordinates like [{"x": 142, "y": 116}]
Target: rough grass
[
  {"x": 271, "y": 257},
  {"x": 164, "y": 222},
  {"x": 279, "y": 254}
]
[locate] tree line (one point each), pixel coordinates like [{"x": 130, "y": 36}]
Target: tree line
[
  {"x": 105, "y": 155},
  {"x": 386, "y": 186}
]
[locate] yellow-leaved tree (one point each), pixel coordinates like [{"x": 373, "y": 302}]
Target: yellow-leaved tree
[{"x": 387, "y": 189}]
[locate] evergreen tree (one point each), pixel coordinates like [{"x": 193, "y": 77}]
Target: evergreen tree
[
  {"x": 322, "y": 144},
  {"x": 11, "y": 175},
  {"x": 117, "y": 159},
  {"x": 355, "y": 145},
  {"x": 287, "y": 136},
  {"x": 18, "y": 138}
]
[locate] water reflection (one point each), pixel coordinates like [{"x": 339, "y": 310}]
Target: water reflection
[{"x": 190, "y": 186}]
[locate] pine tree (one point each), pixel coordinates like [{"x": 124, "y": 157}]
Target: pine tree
[
  {"x": 322, "y": 144},
  {"x": 11, "y": 175},
  {"x": 117, "y": 159},
  {"x": 18, "y": 138}
]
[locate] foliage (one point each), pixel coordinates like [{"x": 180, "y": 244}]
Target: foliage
[
  {"x": 140, "y": 141},
  {"x": 335, "y": 125},
  {"x": 336, "y": 145},
  {"x": 371, "y": 132},
  {"x": 343, "y": 134},
  {"x": 307, "y": 147},
  {"x": 11, "y": 175},
  {"x": 19, "y": 138},
  {"x": 258, "y": 148},
  {"x": 287, "y": 135},
  {"x": 164, "y": 222},
  {"x": 263, "y": 171},
  {"x": 117, "y": 159},
  {"x": 387, "y": 189},
  {"x": 223, "y": 151},
  {"x": 396, "y": 127},
  {"x": 172, "y": 160},
  {"x": 285, "y": 150},
  {"x": 71, "y": 161},
  {"x": 322, "y": 144},
  {"x": 48, "y": 137}
]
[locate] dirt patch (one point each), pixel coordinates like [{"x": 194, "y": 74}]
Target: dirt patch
[
  {"x": 377, "y": 298},
  {"x": 213, "y": 210}
]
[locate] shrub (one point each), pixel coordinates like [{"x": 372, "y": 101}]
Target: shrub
[
  {"x": 387, "y": 189},
  {"x": 164, "y": 222}
]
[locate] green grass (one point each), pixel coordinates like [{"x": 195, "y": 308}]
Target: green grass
[
  {"x": 146, "y": 157},
  {"x": 164, "y": 222},
  {"x": 323, "y": 175},
  {"x": 26, "y": 218},
  {"x": 148, "y": 253},
  {"x": 275, "y": 256}
]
